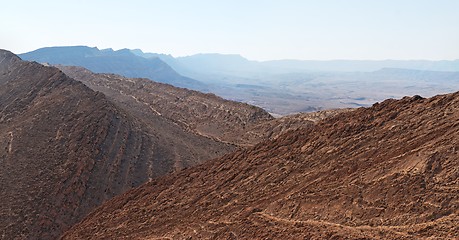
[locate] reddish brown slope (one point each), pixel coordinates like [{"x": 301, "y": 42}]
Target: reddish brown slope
[
  {"x": 387, "y": 172},
  {"x": 274, "y": 128},
  {"x": 64, "y": 149},
  {"x": 203, "y": 114}
]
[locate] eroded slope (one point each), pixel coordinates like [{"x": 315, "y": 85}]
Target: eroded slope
[
  {"x": 65, "y": 149},
  {"x": 203, "y": 114},
  {"x": 386, "y": 172}
]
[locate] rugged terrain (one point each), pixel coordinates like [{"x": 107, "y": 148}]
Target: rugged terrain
[
  {"x": 390, "y": 171},
  {"x": 203, "y": 114},
  {"x": 274, "y": 128},
  {"x": 65, "y": 149}
]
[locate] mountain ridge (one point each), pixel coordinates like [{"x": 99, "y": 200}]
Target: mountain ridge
[
  {"x": 122, "y": 62},
  {"x": 286, "y": 87},
  {"x": 204, "y": 114},
  {"x": 65, "y": 149},
  {"x": 385, "y": 172}
]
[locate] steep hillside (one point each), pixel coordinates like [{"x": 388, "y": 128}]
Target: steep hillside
[
  {"x": 203, "y": 114},
  {"x": 65, "y": 149},
  {"x": 274, "y": 128},
  {"x": 386, "y": 172},
  {"x": 108, "y": 61}
]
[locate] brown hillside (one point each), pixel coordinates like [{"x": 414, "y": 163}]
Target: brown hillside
[
  {"x": 386, "y": 172},
  {"x": 272, "y": 129},
  {"x": 65, "y": 149},
  {"x": 203, "y": 114}
]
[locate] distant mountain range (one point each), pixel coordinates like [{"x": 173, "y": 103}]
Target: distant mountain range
[
  {"x": 122, "y": 62},
  {"x": 280, "y": 87},
  {"x": 289, "y": 86},
  {"x": 236, "y": 64}
]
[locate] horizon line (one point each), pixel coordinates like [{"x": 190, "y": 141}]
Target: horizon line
[{"x": 254, "y": 60}]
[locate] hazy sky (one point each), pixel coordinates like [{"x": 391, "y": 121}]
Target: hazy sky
[{"x": 256, "y": 29}]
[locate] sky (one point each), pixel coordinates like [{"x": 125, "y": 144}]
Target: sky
[{"x": 255, "y": 29}]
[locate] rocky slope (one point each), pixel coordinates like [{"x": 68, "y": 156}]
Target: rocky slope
[
  {"x": 65, "y": 149},
  {"x": 199, "y": 113},
  {"x": 274, "y": 128},
  {"x": 386, "y": 172},
  {"x": 203, "y": 114}
]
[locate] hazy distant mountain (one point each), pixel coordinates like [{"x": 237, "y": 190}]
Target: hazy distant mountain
[
  {"x": 122, "y": 62},
  {"x": 212, "y": 67},
  {"x": 281, "y": 86},
  {"x": 289, "y": 86},
  {"x": 303, "y": 91},
  {"x": 169, "y": 59},
  {"x": 218, "y": 63},
  {"x": 230, "y": 62},
  {"x": 363, "y": 65}
]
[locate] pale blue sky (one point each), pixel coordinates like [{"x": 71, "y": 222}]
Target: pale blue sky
[{"x": 256, "y": 29}]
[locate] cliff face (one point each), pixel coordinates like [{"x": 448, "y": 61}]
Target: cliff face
[
  {"x": 65, "y": 149},
  {"x": 386, "y": 172}
]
